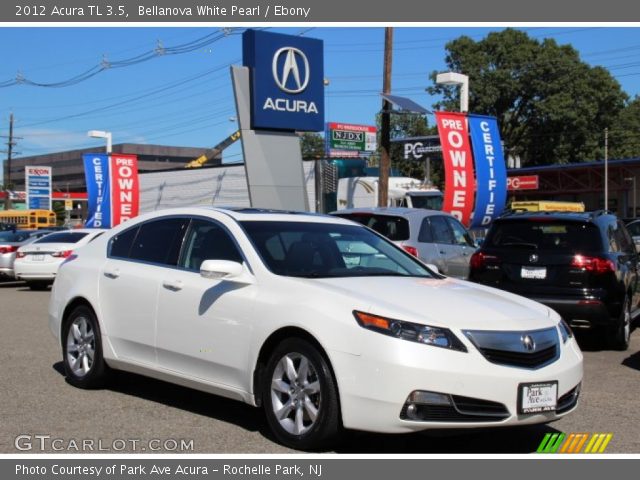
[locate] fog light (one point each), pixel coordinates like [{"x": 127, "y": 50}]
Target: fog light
[{"x": 429, "y": 398}]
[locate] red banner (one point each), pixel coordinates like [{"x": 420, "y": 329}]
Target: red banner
[
  {"x": 125, "y": 193},
  {"x": 523, "y": 182},
  {"x": 458, "y": 165}
]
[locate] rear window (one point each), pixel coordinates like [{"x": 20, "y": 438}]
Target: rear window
[
  {"x": 62, "y": 237},
  {"x": 394, "y": 228},
  {"x": 556, "y": 236}
]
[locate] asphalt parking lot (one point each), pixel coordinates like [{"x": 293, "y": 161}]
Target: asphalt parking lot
[{"x": 133, "y": 410}]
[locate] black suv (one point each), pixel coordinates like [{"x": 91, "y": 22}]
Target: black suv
[{"x": 583, "y": 265}]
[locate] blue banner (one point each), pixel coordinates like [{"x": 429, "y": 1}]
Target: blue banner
[
  {"x": 96, "y": 170},
  {"x": 491, "y": 172}
]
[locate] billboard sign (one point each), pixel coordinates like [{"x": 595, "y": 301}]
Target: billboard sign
[
  {"x": 523, "y": 182},
  {"x": 491, "y": 171},
  {"x": 112, "y": 189},
  {"x": 416, "y": 150},
  {"x": 458, "y": 165},
  {"x": 38, "y": 186},
  {"x": 343, "y": 137},
  {"x": 287, "y": 81}
]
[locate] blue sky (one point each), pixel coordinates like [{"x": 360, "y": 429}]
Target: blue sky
[{"x": 187, "y": 99}]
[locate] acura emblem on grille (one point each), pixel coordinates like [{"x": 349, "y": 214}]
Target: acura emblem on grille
[
  {"x": 533, "y": 258},
  {"x": 528, "y": 343}
]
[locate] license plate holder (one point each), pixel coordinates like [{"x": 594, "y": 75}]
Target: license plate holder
[
  {"x": 533, "y": 273},
  {"x": 37, "y": 257},
  {"x": 537, "y": 397}
]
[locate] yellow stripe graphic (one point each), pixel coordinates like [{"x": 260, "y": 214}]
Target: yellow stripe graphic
[
  {"x": 590, "y": 445},
  {"x": 607, "y": 439}
]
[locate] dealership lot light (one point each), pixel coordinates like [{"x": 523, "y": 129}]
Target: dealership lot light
[{"x": 101, "y": 134}]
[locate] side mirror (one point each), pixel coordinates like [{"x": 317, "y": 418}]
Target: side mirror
[
  {"x": 225, "y": 270},
  {"x": 433, "y": 267}
]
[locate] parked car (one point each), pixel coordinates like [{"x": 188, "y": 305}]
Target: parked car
[
  {"x": 433, "y": 236},
  {"x": 320, "y": 321},
  {"x": 583, "y": 265},
  {"x": 10, "y": 242},
  {"x": 37, "y": 263},
  {"x": 7, "y": 226}
]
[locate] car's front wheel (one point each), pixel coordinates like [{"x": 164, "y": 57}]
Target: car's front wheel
[
  {"x": 300, "y": 397},
  {"x": 82, "y": 349}
]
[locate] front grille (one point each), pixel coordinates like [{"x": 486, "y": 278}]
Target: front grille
[
  {"x": 569, "y": 400},
  {"x": 522, "y": 349},
  {"x": 520, "y": 359},
  {"x": 464, "y": 409}
]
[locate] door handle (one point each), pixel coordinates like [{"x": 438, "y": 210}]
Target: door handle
[
  {"x": 174, "y": 286},
  {"x": 112, "y": 273}
]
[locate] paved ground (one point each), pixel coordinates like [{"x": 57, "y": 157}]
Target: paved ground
[{"x": 36, "y": 400}]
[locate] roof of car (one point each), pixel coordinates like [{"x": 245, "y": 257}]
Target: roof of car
[{"x": 395, "y": 211}]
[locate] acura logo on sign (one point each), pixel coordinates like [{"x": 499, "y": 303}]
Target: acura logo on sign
[
  {"x": 289, "y": 74},
  {"x": 528, "y": 343}
]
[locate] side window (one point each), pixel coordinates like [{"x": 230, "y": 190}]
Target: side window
[
  {"x": 625, "y": 241},
  {"x": 207, "y": 241},
  {"x": 440, "y": 230},
  {"x": 120, "y": 245},
  {"x": 159, "y": 241},
  {"x": 612, "y": 237},
  {"x": 460, "y": 234},
  {"x": 425, "y": 236}
]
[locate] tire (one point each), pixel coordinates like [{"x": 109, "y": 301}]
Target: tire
[
  {"x": 82, "y": 349},
  {"x": 620, "y": 333},
  {"x": 304, "y": 396},
  {"x": 38, "y": 285}
]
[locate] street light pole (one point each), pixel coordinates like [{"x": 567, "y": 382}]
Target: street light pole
[
  {"x": 101, "y": 134},
  {"x": 385, "y": 122},
  {"x": 606, "y": 169},
  {"x": 453, "y": 78}
]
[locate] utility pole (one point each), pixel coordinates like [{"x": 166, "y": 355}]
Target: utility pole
[
  {"x": 11, "y": 142},
  {"x": 606, "y": 169},
  {"x": 385, "y": 123}
]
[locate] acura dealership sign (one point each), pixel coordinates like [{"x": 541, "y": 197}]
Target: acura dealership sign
[{"x": 287, "y": 74}]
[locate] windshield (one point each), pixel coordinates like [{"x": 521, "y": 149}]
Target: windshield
[
  {"x": 314, "y": 250},
  {"x": 430, "y": 202},
  {"x": 64, "y": 237}
]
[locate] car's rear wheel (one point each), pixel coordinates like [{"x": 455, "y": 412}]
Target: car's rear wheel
[
  {"x": 82, "y": 349},
  {"x": 620, "y": 333},
  {"x": 38, "y": 285},
  {"x": 300, "y": 397}
]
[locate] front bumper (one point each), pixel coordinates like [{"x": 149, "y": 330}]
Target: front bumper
[{"x": 374, "y": 386}]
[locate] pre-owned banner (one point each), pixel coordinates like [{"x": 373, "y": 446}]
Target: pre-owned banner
[
  {"x": 96, "y": 171},
  {"x": 491, "y": 172},
  {"x": 112, "y": 189},
  {"x": 458, "y": 165},
  {"x": 124, "y": 188}
]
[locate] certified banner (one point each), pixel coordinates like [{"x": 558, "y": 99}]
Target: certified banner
[
  {"x": 124, "y": 188},
  {"x": 112, "y": 189},
  {"x": 96, "y": 171},
  {"x": 458, "y": 165},
  {"x": 491, "y": 172}
]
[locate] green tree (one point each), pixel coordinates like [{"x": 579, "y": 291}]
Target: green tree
[
  {"x": 312, "y": 146},
  {"x": 551, "y": 106},
  {"x": 624, "y": 135}
]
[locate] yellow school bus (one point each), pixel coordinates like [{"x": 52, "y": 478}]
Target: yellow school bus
[
  {"x": 547, "y": 206},
  {"x": 29, "y": 219}
]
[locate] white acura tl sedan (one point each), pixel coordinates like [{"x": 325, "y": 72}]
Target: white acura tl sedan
[{"x": 320, "y": 321}]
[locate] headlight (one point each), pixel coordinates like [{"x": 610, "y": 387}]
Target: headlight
[
  {"x": 565, "y": 331},
  {"x": 414, "y": 332}
]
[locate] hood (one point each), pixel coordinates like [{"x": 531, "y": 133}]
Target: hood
[{"x": 442, "y": 302}]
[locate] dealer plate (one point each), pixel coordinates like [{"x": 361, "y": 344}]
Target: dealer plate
[
  {"x": 537, "y": 397},
  {"x": 38, "y": 257},
  {"x": 536, "y": 273}
]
